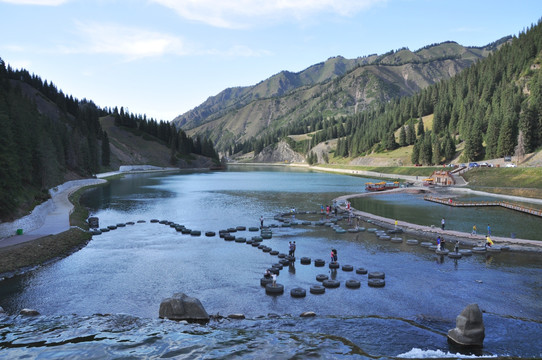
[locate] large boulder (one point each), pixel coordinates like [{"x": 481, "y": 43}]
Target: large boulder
[
  {"x": 182, "y": 307},
  {"x": 469, "y": 330}
]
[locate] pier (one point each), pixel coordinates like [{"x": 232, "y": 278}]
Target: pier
[{"x": 504, "y": 204}]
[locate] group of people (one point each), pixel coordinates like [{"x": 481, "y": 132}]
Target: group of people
[
  {"x": 334, "y": 257},
  {"x": 292, "y": 247},
  {"x": 328, "y": 209}
]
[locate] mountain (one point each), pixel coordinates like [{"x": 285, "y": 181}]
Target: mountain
[{"x": 337, "y": 86}]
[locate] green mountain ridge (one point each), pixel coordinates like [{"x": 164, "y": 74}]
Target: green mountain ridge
[{"x": 336, "y": 86}]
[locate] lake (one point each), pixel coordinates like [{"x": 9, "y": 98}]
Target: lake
[{"x": 103, "y": 301}]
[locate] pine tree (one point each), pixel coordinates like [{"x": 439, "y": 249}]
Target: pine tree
[
  {"x": 106, "y": 152},
  {"x": 402, "y": 137},
  {"x": 421, "y": 130}
]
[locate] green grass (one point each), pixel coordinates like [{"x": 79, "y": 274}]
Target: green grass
[
  {"x": 396, "y": 170},
  {"x": 526, "y": 182}
]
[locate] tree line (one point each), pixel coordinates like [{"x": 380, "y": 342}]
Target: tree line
[
  {"x": 490, "y": 107},
  {"x": 47, "y": 135}
]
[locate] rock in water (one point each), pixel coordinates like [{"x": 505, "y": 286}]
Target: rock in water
[
  {"x": 182, "y": 307},
  {"x": 469, "y": 330}
]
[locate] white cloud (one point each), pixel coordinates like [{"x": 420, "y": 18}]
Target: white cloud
[
  {"x": 247, "y": 13},
  {"x": 36, "y": 2},
  {"x": 130, "y": 42}
]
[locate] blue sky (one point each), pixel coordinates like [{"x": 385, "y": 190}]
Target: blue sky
[{"x": 164, "y": 57}]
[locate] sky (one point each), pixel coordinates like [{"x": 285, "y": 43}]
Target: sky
[{"x": 164, "y": 57}]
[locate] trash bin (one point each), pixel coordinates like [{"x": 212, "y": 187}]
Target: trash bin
[{"x": 19, "y": 231}]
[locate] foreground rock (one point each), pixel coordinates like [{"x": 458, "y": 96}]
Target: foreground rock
[
  {"x": 29, "y": 312},
  {"x": 469, "y": 330},
  {"x": 182, "y": 307}
]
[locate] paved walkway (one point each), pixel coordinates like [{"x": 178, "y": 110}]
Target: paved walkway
[{"x": 58, "y": 219}]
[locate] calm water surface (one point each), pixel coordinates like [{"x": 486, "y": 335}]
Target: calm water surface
[{"x": 102, "y": 302}]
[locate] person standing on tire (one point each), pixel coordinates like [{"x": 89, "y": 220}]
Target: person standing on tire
[
  {"x": 293, "y": 249},
  {"x": 442, "y": 223},
  {"x": 261, "y": 222},
  {"x": 274, "y": 277}
]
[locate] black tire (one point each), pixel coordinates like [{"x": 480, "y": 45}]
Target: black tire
[
  {"x": 121, "y": 225},
  {"x": 229, "y": 237},
  {"x": 321, "y": 277},
  {"x": 317, "y": 289},
  {"x": 278, "y": 266},
  {"x": 282, "y": 256},
  {"x": 266, "y": 249},
  {"x": 112, "y": 227},
  {"x": 319, "y": 262},
  {"x": 334, "y": 265},
  {"x": 186, "y": 231},
  {"x": 412, "y": 242},
  {"x": 154, "y": 220},
  {"x": 348, "y": 268},
  {"x": 240, "y": 240},
  {"x": 256, "y": 244},
  {"x": 274, "y": 270},
  {"x": 264, "y": 281},
  {"x": 141, "y": 221},
  {"x": 274, "y": 252},
  {"x": 305, "y": 261},
  {"x": 331, "y": 284},
  {"x": 241, "y": 228},
  {"x": 298, "y": 292},
  {"x": 195, "y": 233},
  {"x": 210, "y": 233},
  {"x": 455, "y": 255},
  {"x": 253, "y": 228},
  {"x": 284, "y": 262},
  {"x": 232, "y": 230},
  {"x": 361, "y": 271},
  {"x": 261, "y": 247},
  {"x": 257, "y": 238},
  {"x": 377, "y": 275},
  {"x": 353, "y": 284},
  {"x": 278, "y": 289},
  {"x": 376, "y": 282}
]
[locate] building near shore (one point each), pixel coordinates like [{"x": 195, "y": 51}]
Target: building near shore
[{"x": 442, "y": 178}]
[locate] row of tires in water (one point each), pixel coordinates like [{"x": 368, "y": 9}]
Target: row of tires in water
[
  {"x": 374, "y": 279},
  {"x": 389, "y": 235},
  {"x": 184, "y": 230}
]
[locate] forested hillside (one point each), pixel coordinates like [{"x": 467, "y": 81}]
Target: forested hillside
[
  {"x": 489, "y": 108},
  {"x": 335, "y": 87},
  {"x": 48, "y": 137}
]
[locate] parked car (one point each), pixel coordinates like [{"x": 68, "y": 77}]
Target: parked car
[
  {"x": 473, "y": 164},
  {"x": 511, "y": 165},
  {"x": 507, "y": 158},
  {"x": 484, "y": 164}
]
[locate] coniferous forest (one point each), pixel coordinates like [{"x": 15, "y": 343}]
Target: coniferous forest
[
  {"x": 490, "y": 107},
  {"x": 48, "y": 137}
]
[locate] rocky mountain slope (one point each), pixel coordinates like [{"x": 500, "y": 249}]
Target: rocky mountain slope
[{"x": 336, "y": 86}]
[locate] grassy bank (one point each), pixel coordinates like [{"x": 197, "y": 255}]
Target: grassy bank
[
  {"x": 510, "y": 181},
  {"x": 18, "y": 258},
  {"x": 397, "y": 170}
]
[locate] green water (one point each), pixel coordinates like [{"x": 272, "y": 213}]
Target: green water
[{"x": 414, "y": 209}]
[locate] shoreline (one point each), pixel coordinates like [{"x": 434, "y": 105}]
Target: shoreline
[{"x": 431, "y": 232}]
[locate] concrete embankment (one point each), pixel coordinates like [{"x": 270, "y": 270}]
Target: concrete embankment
[{"x": 431, "y": 232}]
